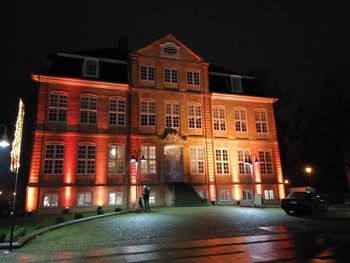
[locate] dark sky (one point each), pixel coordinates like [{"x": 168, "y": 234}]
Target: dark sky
[{"x": 298, "y": 43}]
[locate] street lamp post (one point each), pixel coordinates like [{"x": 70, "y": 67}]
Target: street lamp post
[
  {"x": 308, "y": 171},
  {"x": 250, "y": 163},
  {"x": 134, "y": 160},
  {"x": 4, "y": 142}
]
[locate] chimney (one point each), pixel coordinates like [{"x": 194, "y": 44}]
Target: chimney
[{"x": 123, "y": 42}]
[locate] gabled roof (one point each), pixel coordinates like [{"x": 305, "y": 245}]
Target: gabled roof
[{"x": 170, "y": 38}]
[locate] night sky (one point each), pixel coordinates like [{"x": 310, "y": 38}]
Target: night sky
[{"x": 298, "y": 43}]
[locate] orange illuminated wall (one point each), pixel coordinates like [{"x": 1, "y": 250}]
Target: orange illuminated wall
[
  {"x": 31, "y": 199},
  {"x": 35, "y": 165}
]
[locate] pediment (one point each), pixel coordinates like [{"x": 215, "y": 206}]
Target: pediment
[
  {"x": 171, "y": 136},
  {"x": 169, "y": 47}
]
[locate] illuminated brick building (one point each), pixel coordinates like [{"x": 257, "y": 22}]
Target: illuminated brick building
[{"x": 163, "y": 106}]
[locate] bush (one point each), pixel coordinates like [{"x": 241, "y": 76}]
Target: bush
[
  {"x": 78, "y": 216},
  {"x": 20, "y": 231},
  {"x": 39, "y": 226},
  {"x": 100, "y": 210},
  {"x": 118, "y": 209},
  {"x": 59, "y": 219},
  {"x": 2, "y": 238}
]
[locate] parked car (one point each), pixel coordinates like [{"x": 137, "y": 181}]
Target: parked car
[{"x": 304, "y": 202}]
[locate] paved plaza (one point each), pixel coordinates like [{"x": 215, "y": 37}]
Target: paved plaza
[{"x": 193, "y": 234}]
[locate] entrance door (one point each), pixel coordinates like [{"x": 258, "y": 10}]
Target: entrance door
[{"x": 173, "y": 164}]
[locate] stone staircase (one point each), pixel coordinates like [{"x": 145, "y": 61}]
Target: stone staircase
[{"x": 185, "y": 195}]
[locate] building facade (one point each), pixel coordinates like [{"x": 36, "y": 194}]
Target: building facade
[{"x": 111, "y": 121}]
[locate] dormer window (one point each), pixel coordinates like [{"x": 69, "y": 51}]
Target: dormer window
[
  {"x": 236, "y": 84},
  {"x": 91, "y": 67},
  {"x": 170, "y": 49}
]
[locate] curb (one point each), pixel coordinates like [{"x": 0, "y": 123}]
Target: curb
[{"x": 23, "y": 240}]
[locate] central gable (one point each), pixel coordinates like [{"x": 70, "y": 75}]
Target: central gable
[{"x": 169, "y": 47}]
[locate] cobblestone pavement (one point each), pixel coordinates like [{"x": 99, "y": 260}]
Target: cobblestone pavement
[{"x": 164, "y": 225}]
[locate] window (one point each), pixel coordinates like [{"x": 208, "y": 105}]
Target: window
[
  {"x": 117, "y": 112},
  {"x": 247, "y": 195},
  {"x": 197, "y": 160},
  {"x": 57, "y": 108},
  {"x": 88, "y": 110},
  {"x": 240, "y": 120},
  {"x": 116, "y": 159},
  {"x": 148, "y": 113},
  {"x": 236, "y": 84},
  {"x": 192, "y": 78},
  {"x": 224, "y": 195},
  {"x": 244, "y": 168},
  {"x": 152, "y": 198},
  {"x": 261, "y": 121},
  {"x": 221, "y": 160},
  {"x": 147, "y": 73},
  {"x": 269, "y": 195},
  {"x": 53, "y": 163},
  {"x": 194, "y": 116},
  {"x": 86, "y": 159},
  {"x": 172, "y": 115},
  {"x": 170, "y": 76},
  {"x": 265, "y": 163},
  {"x": 84, "y": 199},
  {"x": 219, "y": 118},
  {"x": 170, "y": 49},
  {"x": 91, "y": 67},
  {"x": 50, "y": 200},
  {"x": 115, "y": 198},
  {"x": 148, "y": 166}
]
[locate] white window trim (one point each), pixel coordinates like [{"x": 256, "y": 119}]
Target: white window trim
[
  {"x": 262, "y": 162},
  {"x": 148, "y": 113},
  {"x": 54, "y": 159},
  {"x": 232, "y": 78},
  {"x": 50, "y": 194},
  {"x": 192, "y": 72},
  {"x": 57, "y": 108},
  {"x": 222, "y": 162},
  {"x": 171, "y": 76},
  {"x": 251, "y": 194},
  {"x": 194, "y": 163},
  {"x": 116, "y": 194},
  {"x": 84, "y": 193},
  {"x": 220, "y": 120},
  {"x": 169, "y": 45},
  {"x": 226, "y": 191},
  {"x": 154, "y": 195},
  {"x": 240, "y": 120},
  {"x": 89, "y": 110},
  {"x": 118, "y": 113},
  {"x": 116, "y": 160},
  {"x": 194, "y": 116},
  {"x": 147, "y": 160},
  {"x": 171, "y": 115},
  {"x": 148, "y": 73},
  {"x": 269, "y": 194},
  {"x": 86, "y": 160},
  {"x": 260, "y": 121},
  {"x": 247, "y": 167},
  {"x": 87, "y": 59}
]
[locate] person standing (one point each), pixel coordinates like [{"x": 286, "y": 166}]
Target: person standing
[{"x": 145, "y": 195}]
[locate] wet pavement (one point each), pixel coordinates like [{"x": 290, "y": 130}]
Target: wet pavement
[{"x": 209, "y": 234}]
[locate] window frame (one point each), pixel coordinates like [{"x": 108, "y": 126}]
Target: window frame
[
  {"x": 250, "y": 191},
  {"x": 195, "y": 162},
  {"x": 54, "y": 160},
  {"x": 227, "y": 195},
  {"x": 266, "y": 163},
  {"x": 195, "y": 117},
  {"x": 191, "y": 75},
  {"x": 51, "y": 194},
  {"x": 147, "y": 73},
  {"x": 90, "y": 111},
  {"x": 84, "y": 193},
  {"x": 242, "y": 166},
  {"x": 116, "y": 160},
  {"x": 117, "y": 194},
  {"x": 261, "y": 126},
  {"x": 221, "y": 163},
  {"x": 240, "y": 122},
  {"x": 149, "y": 115},
  {"x": 173, "y": 117},
  {"x": 97, "y": 71},
  {"x": 219, "y": 121},
  {"x": 269, "y": 194},
  {"x": 149, "y": 161},
  {"x": 86, "y": 160},
  {"x": 171, "y": 76},
  {"x": 57, "y": 109},
  {"x": 119, "y": 115}
]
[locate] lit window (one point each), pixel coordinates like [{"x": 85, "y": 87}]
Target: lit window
[
  {"x": 219, "y": 118},
  {"x": 147, "y": 73},
  {"x": 222, "y": 161},
  {"x": 247, "y": 194},
  {"x": 194, "y": 116},
  {"x": 86, "y": 159},
  {"x": 197, "y": 160},
  {"x": 192, "y": 78},
  {"x": 115, "y": 198},
  {"x": 50, "y": 200},
  {"x": 53, "y": 163},
  {"x": 148, "y": 113},
  {"x": 244, "y": 168},
  {"x": 265, "y": 163},
  {"x": 261, "y": 121},
  {"x": 240, "y": 120},
  {"x": 148, "y": 166},
  {"x": 152, "y": 198},
  {"x": 88, "y": 110},
  {"x": 91, "y": 67},
  {"x": 116, "y": 159},
  {"x": 84, "y": 199},
  {"x": 172, "y": 115},
  {"x": 170, "y": 76},
  {"x": 224, "y": 195},
  {"x": 57, "y": 108},
  {"x": 117, "y": 112},
  {"x": 269, "y": 195}
]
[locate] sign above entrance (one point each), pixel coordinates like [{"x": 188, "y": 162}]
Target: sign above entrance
[{"x": 171, "y": 136}]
